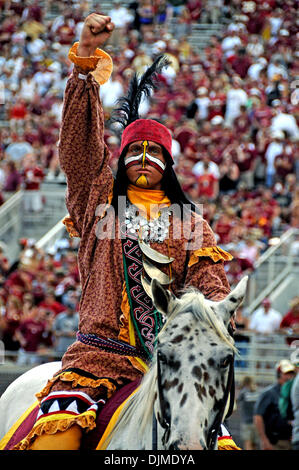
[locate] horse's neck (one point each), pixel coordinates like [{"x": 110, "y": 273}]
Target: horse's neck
[
  {"x": 134, "y": 429},
  {"x": 130, "y": 437}
]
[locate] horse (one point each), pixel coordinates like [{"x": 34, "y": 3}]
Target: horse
[{"x": 185, "y": 395}]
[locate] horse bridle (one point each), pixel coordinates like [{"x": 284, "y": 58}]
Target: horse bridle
[
  {"x": 162, "y": 418},
  {"x": 165, "y": 419}
]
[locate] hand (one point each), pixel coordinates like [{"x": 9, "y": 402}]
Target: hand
[
  {"x": 95, "y": 32},
  {"x": 266, "y": 445}
]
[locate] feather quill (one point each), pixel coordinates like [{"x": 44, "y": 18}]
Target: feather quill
[{"x": 127, "y": 109}]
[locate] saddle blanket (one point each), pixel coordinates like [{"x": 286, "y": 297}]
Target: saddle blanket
[{"x": 90, "y": 440}]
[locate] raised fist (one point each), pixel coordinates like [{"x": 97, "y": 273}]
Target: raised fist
[{"x": 95, "y": 32}]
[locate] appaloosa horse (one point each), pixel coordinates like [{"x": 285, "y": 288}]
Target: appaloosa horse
[{"x": 184, "y": 397}]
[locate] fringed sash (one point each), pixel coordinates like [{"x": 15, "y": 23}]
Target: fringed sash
[{"x": 146, "y": 319}]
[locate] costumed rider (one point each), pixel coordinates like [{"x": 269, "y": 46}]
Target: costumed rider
[{"x": 118, "y": 322}]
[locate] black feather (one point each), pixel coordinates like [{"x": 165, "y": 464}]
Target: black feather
[{"x": 127, "y": 109}]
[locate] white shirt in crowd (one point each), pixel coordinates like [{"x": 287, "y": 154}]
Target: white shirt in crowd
[
  {"x": 203, "y": 107},
  {"x": 43, "y": 80},
  {"x": 263, "y": 322},
  {"x": 110, "y": 92},
  {"x": 274, "y": 149},
  {"x": 275, "y": 24},
  {"x": 120, "y": 17},
  {"x": 229, "y": 44},
  {"x": 198, "y": 169},
  {"x": 2, "y": 178},
  {"x": 27, "y": 89},
  {"x": 235, "y": 98},
  {"x": 255, "y": 70},
  {"x": 274, "y": 69},
  {"x": 285, "y": 122},
  {"x": 255, "y": 49}
]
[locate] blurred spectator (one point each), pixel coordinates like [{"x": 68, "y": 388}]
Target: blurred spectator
[
  {"x": 245, "y": 158},
  {"x": 65, "y": 327},
  {"x": 295, "y": 409},
  {"x": 285, "y": 401},
  {"x": 265, "y": 320},
  {"x": 284, "y": 163},
  {"x": 290, "y": 321},
  {"x": 230, "y": 43},
  {"x": 13, "y": 178},
  {"x": 121, "y": 17},
  {"x": 274, "y": 149},
  {"x": 276, "y": 69},
  {"x": 33, "y": 333},
  {"x": 206, "y": 164},
  {"x": 18, "y": 148},
  {"x": 229, "y": 174},
  {"x": 202, "y": 103},
  {"x": 255, "y": 46},
  {"x": 32, "y": 176},
  {"x": 241, "y": 63},
  {"x": 246, "y": 400},
  {"x": 207, "y": 180},
  {"x": 111, "y": 91},
  {"x": 274, "y": 432},
  {"x": 4, "y": 264},
  {"x": 50, "y": 303},
  {"x": 241, "y": 338},
  {"x": 10, "y": 322},
  {"x": 28, "y": 87},
  {"x": 146, "y": 14},
  {"x": 255, "y": 69},
  {"x": 194, "y": 8},
  {"x": 284, "y": 122},
  {"x": 235, "y": 98}
]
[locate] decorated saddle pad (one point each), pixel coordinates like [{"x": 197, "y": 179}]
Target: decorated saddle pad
[{"x": 90, "y": 440}]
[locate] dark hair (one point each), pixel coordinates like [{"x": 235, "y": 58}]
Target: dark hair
[{"x": 169, "y": 184}]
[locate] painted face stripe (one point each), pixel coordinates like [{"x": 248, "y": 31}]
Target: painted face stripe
[
  {"x": 135, "y": 160},
  {"x": 157, "y": 167},
  {"x": 145, "y": 145},
  {"x": 156, "y": 161}
]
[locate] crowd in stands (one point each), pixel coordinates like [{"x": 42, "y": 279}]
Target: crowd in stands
[
  {"x": 232, "y": 108},
  {"x": 39, "y": 297}
]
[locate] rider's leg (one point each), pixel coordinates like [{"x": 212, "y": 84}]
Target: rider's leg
[
  {"x": 61, "y": 440},
  {"x": 66, "y": 412}
]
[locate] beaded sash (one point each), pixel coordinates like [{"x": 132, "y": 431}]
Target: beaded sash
[
  {"x": 146, "y": 319},
  {"x": 110, "y": 345}
]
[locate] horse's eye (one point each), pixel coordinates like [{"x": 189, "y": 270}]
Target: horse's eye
[{"x": 225, "y": 362}]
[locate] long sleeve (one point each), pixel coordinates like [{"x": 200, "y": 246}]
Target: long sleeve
[
  {"x": 83, "y": 154},
  {"x": 206, "y": 266}
]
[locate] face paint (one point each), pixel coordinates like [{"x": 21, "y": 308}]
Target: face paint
[
  {"x": 142, "y": 180},
  {"x": 145, "y": 158}
]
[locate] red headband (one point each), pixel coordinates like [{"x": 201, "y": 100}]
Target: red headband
[{"x": 147, "y": 129}]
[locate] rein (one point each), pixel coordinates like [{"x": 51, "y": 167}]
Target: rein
[
  {"x": 214, "y": 429},
  {"x": 164, "y": 420}
]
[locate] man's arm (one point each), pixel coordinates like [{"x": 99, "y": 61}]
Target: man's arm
[
  {"x": 260, "y": 427},
  {"x": 83, "y": 155}
]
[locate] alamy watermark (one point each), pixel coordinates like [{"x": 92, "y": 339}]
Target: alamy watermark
[{"x": 186, "y": 224}]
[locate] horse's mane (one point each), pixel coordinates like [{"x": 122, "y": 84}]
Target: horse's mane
[
  {"x": 142, "y": 401},
  {"x": 193, "y": 301}
]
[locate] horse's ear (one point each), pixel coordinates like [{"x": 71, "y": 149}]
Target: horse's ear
[
  {"x": 160, "y": 296},
  {"x": 234, "y": 299}
]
